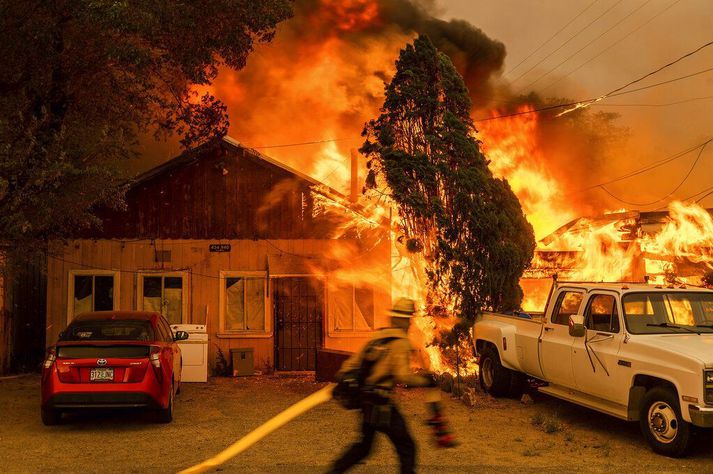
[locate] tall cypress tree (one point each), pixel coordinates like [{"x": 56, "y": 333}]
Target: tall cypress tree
[{"x": 468, "y": 224}]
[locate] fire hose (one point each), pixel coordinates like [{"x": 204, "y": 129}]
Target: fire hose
[
  {"x": 265, "y": 429},
  {"x": 437, "y": 422}
]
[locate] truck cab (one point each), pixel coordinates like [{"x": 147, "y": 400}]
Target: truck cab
[{"x": 635, "y": 351}]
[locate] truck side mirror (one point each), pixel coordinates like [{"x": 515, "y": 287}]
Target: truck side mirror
[
  {"x": 180, "y": 336},
  {"x": 576, "y": 326}
]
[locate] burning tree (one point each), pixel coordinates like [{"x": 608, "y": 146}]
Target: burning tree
[{"x": 466, "y": 225}]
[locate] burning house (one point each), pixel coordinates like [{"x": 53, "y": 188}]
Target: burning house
[
  {"x": 228, "y": 237},
  {"x": 663, "y": 247}
]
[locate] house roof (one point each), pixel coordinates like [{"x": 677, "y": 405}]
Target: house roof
[
  {"x": 194, "y": 154},
  {"x": 649, "y": 221}
]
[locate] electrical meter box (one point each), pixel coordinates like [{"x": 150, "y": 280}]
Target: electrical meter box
[{"x": 243, "y": 361}]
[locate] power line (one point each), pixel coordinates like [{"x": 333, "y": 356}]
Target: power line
[
  {"x": 650, "y": 166},
  {"x": 685, "y": 178},
  {"x": 655, "y": 71},
  {"x": 315, "y": 142},
  {"x": 552, "y": 37},
  {"x": 591, "y": 101},
  {"x": 667, "y": 104},
  {"x": 557, "y": 81},
  {"x": 691, "y": 197},
  {"x": 587, "y": 45},
  {"x": 567, "y": 41}
]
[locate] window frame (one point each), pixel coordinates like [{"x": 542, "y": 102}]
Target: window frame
[
  {"x": 560, "y": 299},
  {"x": 185, "y": 297},
  {"x": 92, "y": 273},
  {"x": 588, "y": 308},
  {"x": 333, "y": 331},
  {"x": 267, "y": 310}
]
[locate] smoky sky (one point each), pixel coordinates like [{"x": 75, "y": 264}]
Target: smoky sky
[{"x": 477, "y": 56}]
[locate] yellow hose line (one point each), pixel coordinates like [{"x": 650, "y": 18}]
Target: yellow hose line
[{"x": 263, "y": 430}]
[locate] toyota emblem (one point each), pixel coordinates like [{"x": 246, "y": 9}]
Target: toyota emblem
[{"x": 101, "y": 361}]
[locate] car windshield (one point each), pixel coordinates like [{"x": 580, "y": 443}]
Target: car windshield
[
  {"x": 108, "y": 330},
  {"x": 668, "y": 312}
]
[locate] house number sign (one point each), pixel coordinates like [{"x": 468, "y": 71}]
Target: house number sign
[{"x": 219, "y": 247}]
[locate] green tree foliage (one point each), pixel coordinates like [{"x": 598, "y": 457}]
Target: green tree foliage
[
  {"x": 468, "y": 224},
  {"x": 81, "y": 80}
]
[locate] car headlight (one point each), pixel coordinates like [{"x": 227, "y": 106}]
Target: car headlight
[{"x": 708, "y": 386}]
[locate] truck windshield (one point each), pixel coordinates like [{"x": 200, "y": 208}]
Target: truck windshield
[{"x": 668, "y": 312}]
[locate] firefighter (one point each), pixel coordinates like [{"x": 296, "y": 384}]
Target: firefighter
[{"x": 384, "y": 362}]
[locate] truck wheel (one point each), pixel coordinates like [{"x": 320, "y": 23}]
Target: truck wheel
[
  {"x": 662, "y": 424},
  {"x": 494, "y": 378},
  {"x": 50, "y": 416}
]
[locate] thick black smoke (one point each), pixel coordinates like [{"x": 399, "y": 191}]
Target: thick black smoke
[{"x": 477, "y": 57}]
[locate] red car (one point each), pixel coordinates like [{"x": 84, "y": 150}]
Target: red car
[{"x": 108, "y": 359}]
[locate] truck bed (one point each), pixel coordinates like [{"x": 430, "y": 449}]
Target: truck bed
[{"x": 520, "y": 337}]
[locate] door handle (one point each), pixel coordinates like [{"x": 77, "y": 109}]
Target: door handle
[{"x": 549, "y": 329}]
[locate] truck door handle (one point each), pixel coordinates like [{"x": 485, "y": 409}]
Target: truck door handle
[{"x": 549, "y": 329}]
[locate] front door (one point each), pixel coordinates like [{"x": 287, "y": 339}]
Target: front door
[
  {"x": 595, "y": 356},
  {"x": 298, "y": 309},
  {"x": 556, "y": 343}
]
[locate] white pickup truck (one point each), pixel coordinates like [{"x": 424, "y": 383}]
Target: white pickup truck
[{"x": 634, "y": 351}]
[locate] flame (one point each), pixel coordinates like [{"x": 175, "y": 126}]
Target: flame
[
  {"x": 312, "y": 86},
  {"x": 511, "y": 145}
]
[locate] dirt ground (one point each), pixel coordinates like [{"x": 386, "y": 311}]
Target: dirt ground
[{"x": 495, "y": 435}]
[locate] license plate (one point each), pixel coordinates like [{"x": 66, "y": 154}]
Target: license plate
[{"x": 101, "y": 375}]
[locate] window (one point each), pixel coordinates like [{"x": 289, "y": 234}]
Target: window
[
  {"x": 668, "y": 312},
  {"x": 351, "y": 307},
  {"x": 109, "y": 330},
  {"x": 602, "y": 314},
  {"x": 243, "y": 303},
  {"x": 163, "y": 293},
  {"x": 90, "y": 291},
  {"x": 567, "y": 305}
]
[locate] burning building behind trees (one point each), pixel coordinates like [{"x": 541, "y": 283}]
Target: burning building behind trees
[{"x": 306, "y": 97}]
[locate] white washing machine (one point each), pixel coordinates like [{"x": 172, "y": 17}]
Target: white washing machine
[{"x": 194, "y": 352}]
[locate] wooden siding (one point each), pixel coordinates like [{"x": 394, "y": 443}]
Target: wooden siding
[
  {"x": 5, "y": 333},
  {"x": 222, "y": 191},
  {"x": 276, "y": 257}
]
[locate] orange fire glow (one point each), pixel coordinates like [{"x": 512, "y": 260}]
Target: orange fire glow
[{"x": 299, "y": 90}]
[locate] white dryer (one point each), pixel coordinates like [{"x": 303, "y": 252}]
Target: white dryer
[{"x": 194, "y": 352}]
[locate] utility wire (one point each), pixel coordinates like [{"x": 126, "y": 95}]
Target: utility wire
[
  {"x": 644, "y": 204},
  {"x": 667, "y": 104},
  {"x": 589, "y": 43},
  {"x": 551, "y": 37},
  {"x": 650, "y": 166},
  {"x": 316, "y": 142},
  {"x": 567, "y": 41},
  {"x": 655, "y": 71},
  {"x": 558, "y": 80},
  {"x": 535, "y": 110},
  {"x": 690, "y": 197},
  {"x": 593, "y": 100}
]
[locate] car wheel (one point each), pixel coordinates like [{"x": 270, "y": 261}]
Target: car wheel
[
  {"x": 494, "y": 378},
  {"x": 51, "y": 417},
  {"x": 165, "y": 415},
  {"x": 661, "y": 423}
]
